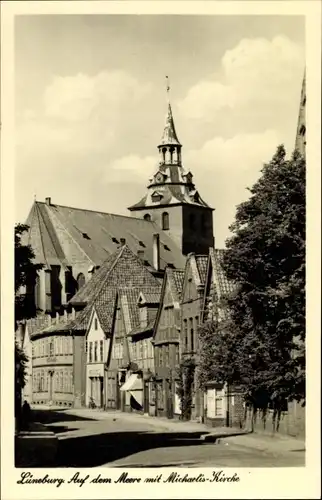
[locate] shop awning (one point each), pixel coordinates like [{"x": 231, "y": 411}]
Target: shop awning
[
  {"x": 133, "y": 383},
  {"x": 138, "y": 396}
]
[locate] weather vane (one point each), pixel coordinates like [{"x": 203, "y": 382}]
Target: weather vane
[{"x": 168, "y": 88}]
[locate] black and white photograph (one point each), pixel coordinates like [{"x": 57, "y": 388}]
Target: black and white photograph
[{"x": 160, "y": 200}]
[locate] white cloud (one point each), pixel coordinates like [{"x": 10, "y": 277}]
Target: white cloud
[
  {"x": 257, "y": 72},
  {"x": 131, "y": 168},
  {"x": 81, "y": 97}
]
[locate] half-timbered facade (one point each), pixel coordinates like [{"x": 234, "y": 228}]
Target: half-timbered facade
[{"x": 167, "y": 345}]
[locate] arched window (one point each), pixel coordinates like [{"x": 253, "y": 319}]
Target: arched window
[
  {"x": 165, "y": 220},
  {"x": 80, "y": 280},
  {"x": 147, "y": 217}
]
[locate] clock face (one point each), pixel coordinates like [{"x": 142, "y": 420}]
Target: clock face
[{"x": 159, "y": 177}]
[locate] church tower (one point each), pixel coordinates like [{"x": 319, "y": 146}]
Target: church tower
[{"x": 172, "y": 200}]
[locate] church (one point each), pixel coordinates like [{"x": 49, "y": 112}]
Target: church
[{"x": 120, "y": 298}]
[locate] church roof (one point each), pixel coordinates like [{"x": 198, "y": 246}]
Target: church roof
[
  {"x": 94, "y": 235},
  {"x": 169, "y": 136}
]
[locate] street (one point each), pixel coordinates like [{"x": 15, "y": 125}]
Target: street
[{"x": 113, "y": 439}]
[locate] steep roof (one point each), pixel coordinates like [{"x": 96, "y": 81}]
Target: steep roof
[
  {"x": 175, "y": 277},
  {"x": 224, "y": 286},
  {"x": 122, "y": 271},
  {"x": 94, "y": 235},
  {"x": 169, "y": 136},
  {"x": 218, "y": 286}
]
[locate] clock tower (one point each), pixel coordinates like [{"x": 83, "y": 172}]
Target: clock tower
[{"x": 172, "y": 200}]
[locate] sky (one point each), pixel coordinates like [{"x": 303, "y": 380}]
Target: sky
[{"x": 90, "y": 105}]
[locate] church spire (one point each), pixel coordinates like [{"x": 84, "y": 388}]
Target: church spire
[{"x": 169, "y": 136}]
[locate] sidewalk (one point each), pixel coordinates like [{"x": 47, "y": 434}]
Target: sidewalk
[{"x": 267, "y": 443}]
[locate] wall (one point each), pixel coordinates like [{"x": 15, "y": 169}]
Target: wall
[
  {"x": 27, "y": 347},
  {"x": 291, "y": 423},
  {"x": 52, "y": 370},
  {"x": 95, "y": 369},
  {"x": 200, "y": 237},
  {"x": 190, "y": 315},
  {"x": 175, "y": 220},
  {"x": 79, "y": 369}
]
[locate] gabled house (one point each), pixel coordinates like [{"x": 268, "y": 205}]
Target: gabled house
[
  {"x": 141, "y": 342},
  {"x": 131, "y": 359},
  {"x": 166, "y": 339},
  {"x": 97, "y": 347},
  {"x": 191, "y": 309},
  {"x": 50, "y": 337},
  {"x": 223, "y": 404}
]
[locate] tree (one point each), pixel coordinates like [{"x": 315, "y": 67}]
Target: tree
[
  {"x": 25, "y": 276},
  {"x": 260, "y": 346}
]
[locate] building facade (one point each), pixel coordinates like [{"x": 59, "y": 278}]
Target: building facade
[{"x": 166, "y": 339}]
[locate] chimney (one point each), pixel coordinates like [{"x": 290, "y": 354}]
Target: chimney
[
  {"x": 48, "y": 201},
  {"x": 141, "y": 254},
  {"x": 123, "y": 241},
  {"x": 156, "y": 252}
]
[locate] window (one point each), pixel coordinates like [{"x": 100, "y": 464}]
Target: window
[
  {"x": 165, "y": 221},
  {"x": 51, "y": 347},
  {"x": 66, "y": 346},
  {"x": 161, "y": 355},
  {"x": 302, "y": 130},
  {"x": 101, "y": 351},
  {"x": 95, "y": 324},
  {"x": 145, "y": 348},
  {"x": 70, "y": 345},
  {"x": 192, "y": 344},
  {"x": 118, "y": 349},
  {"x": 185, "y": 333},
  {"x": 61, "y": 381},
  {"x": 196, "y": 330},
  {"x": 95, "y": 351},
  {"x": 80, "y": 280},
  {"x": 86, "y": 347},
  {"x": 90, "y": 353},
  {"x": 42, "y": 381},
  {"x": 167, "y": 355},
  {"x": 177, "y": 355},
  {"x": 71, "y": 381},
  {"x": 147, "y": 217}
]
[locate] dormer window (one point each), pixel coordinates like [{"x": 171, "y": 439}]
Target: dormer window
[
  {"x": 156, "y": 196},
  {"x": 302, "y": 130},
  {"x": 165, "y": 221},
  {"x": 147, "y": 217}
]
